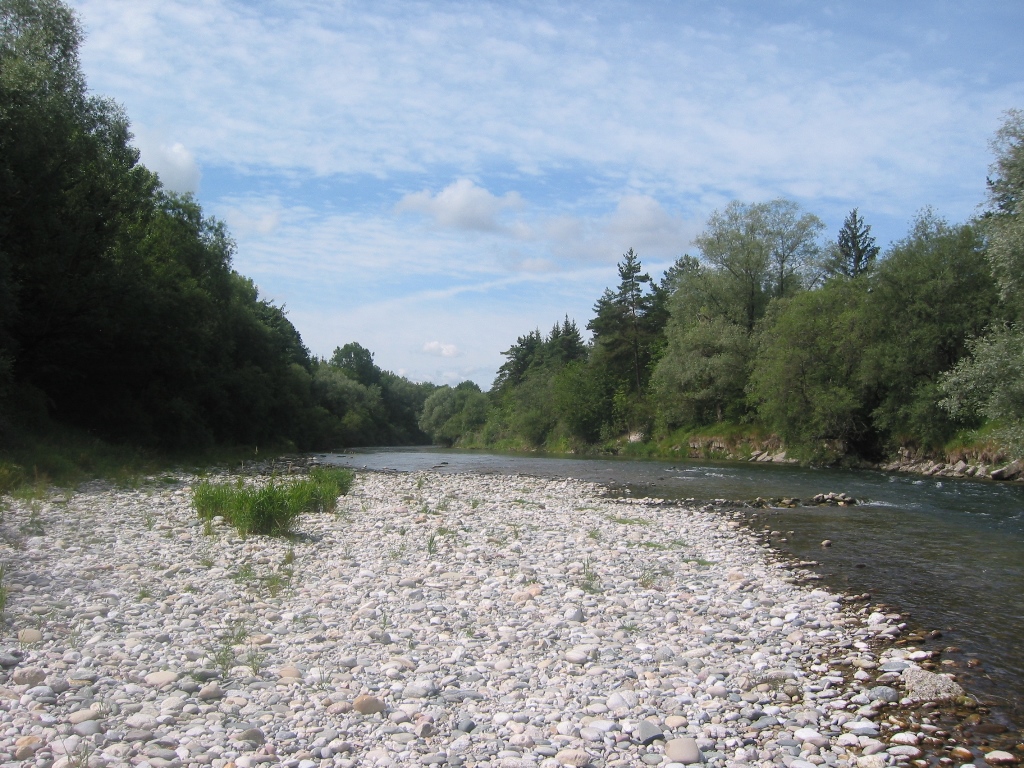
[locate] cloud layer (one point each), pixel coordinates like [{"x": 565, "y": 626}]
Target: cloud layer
[{"x": 498, "y": 158}]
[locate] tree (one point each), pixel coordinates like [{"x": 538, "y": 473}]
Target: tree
[
  {"x": 450, "y": 413},
  {"x": 989, "y": 383},
  {"x": 357, "y": 362},
  {"x": 805, "y": 381},
  {"x": 767, "y": 250},
  {"x": 751, "y": 254},
  {"x": 626, "y": 325},
  {"x": 928, "y": 297},
  {"x": 1004, "y": 220},
  {"x": 855, "y": 251},
  {"x": 521, "y": 357}
]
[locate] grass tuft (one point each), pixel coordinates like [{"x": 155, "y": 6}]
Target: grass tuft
[{"x": 271, "y": 509}]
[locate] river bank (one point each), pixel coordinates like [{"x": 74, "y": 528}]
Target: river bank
[
  {"x": 438, "y": 619},
  {"x": 981, "y": 462}
]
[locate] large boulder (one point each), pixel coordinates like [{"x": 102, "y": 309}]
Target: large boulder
[
  {"x": 922, "y": 685},
  {"x": 1011, "y": 471}
]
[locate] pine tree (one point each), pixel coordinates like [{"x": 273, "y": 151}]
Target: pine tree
[
  {"x": 626, "y": 323},
  {"x": 855, "y": 250}
]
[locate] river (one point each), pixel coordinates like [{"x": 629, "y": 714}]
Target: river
[{"x": 948, "y": 554}]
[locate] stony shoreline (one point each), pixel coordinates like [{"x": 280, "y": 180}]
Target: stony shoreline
[{"x": 440, "y": 620}]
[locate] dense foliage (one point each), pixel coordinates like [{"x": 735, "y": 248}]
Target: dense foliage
[
  {"x": 120, "y": 312},
  {"x": 990, "y": 384},
  {"x": 838, "y": 348},
  {"x": 121, "y": 315}
]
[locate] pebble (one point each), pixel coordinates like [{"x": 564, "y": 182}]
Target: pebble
[
  {"x": 516, "y": 638},
  {"x": 999, "y": 757},
  {"x": 29, "y": 635},
  {"x": 683, "y": 750},
  {"x": 647, "y": 733}
]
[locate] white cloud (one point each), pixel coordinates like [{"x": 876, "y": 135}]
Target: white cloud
[
  {"x": 438, "y": 348},
  {"x": 173, "y": 163},
  {"x": 461, "y": 205},
  {"x": 637, "y": 221},
  {"x": 572, "y": 133}
]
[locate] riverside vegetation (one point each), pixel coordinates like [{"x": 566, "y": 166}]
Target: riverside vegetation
[
  {"x": 125, "y": 334},
  {"x": 773, "y": 340},
  {"x": 272, "y": 507}
]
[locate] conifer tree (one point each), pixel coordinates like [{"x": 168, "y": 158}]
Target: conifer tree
[{"x": 855, "y": 249}]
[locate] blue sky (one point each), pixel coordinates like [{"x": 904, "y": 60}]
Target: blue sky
[{"x": 435, "y": 179}]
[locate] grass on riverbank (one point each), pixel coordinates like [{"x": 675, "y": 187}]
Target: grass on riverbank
[
  {"x": 31, "y": 463},
  {"x": 271, "y": 509}
]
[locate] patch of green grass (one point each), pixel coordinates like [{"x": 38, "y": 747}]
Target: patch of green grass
[
  {"x": 4, "y": 594},
  {"x": 276, "y": 582},
  {"x": 588, "y": 580},
  {"x": 329, "y": 483},
  {"x": 223, "y": 654},
  {"x": 680, "y": 543},
  {"x": 594, "y": 533},
  {"x": 474, "y": 503},
  {"x": 255, "y": 660},
  {"x": 652, "y": 545},
  {"x": 629, "y": 627},
  {"x": 432, "y": 544},
  {"x": 34, "y": 525},
  {"x": 273, "y": 508},
  {"x": 144, "y": 593},
  {"x": 397, "y": 552},
  {"x": 630, "y": 520},
  {"x": 648, "y": 579}
]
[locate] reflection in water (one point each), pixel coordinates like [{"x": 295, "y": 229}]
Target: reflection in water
[{"x": 948, "y": 553}]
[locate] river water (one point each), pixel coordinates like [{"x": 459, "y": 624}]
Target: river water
[{"x": 948, "y": 554}]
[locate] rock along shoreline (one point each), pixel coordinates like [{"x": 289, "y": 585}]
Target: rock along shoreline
[{"x": 463, "y": 620}]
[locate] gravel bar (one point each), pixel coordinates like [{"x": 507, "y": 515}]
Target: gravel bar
[{"x": 461, "y": 620}]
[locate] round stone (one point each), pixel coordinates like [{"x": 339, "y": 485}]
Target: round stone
[
  {"x": 161, "y": 678},
  {"x": 683, "y": 750},
  {"x": 999, "y": 757},
  {"x": 368, "y": 705},
  {"x": 30, "y": 636}
]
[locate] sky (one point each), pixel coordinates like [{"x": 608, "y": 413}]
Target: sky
[{"x": 434, "y": 179}]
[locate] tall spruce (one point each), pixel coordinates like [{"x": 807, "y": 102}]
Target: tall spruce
[
  {"x": 627, "y": 324},
  {"x": 855, "y": 250}
]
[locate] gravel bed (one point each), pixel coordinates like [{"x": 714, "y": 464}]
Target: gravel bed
[{"x": 437, "y": 620}]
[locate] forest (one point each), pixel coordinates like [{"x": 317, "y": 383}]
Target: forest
[
  {"x": 121, "y": 317},
  {"x": 833, "y": 348},
  {"x": 120, "y": 314}
]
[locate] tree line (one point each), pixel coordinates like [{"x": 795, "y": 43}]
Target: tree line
[
  {"x": 838, "y": 348},
  {"x": 121, "y": 315},
  {"x": 120, "y": 312}
]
